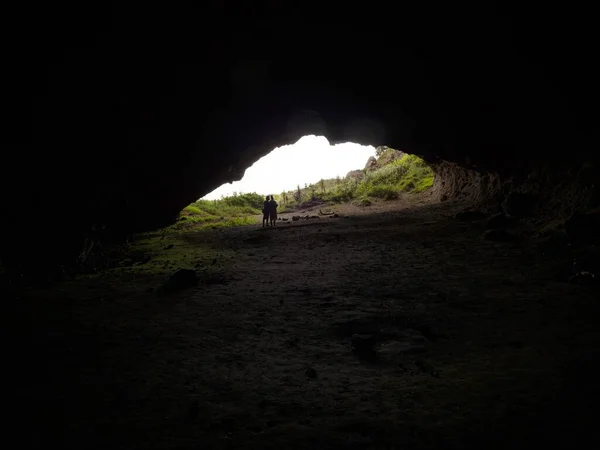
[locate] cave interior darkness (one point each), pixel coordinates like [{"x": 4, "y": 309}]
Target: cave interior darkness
[
  {"x": 149, "y": 108},
  {"x": 121, "y": 117}
]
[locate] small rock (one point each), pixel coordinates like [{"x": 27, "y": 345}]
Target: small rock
[{"x": 181, "y": 279}]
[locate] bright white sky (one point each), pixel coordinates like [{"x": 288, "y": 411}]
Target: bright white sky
[{"x": 306, "y": 161}]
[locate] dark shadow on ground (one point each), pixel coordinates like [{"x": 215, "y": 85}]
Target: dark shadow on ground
[{"x": 403, "y": 329}]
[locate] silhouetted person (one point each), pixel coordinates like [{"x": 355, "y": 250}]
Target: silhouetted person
[
  {"x": 273, "y": 211},
  {"x": 266, "y": 211}
]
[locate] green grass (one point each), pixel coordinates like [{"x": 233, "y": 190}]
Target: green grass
[
  {"x": 227, "y": 212},
  {"x": 409, "y": 174}
]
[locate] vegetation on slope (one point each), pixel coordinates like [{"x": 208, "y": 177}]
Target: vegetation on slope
[
  {"x": 407, "y": 174},
  {"x": 227, "y": 212}
]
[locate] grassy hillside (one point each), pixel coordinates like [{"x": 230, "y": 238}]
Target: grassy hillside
[
  {"x": 226, "y": 212},
  {"x": 408, "y": 174}
]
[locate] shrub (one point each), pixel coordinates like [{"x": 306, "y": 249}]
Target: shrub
[
  {"x": 408, "y": 174},
  {"x": 226, "y": 212}
]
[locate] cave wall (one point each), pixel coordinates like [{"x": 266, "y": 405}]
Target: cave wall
[
  {"x": 123, "y": 116},
  {"x": 456, "y": 182}
]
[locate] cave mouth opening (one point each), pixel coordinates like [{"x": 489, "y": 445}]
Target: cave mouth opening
[
  {"x": 306, "y": 162},
  {"x": 312, "y": 173}
]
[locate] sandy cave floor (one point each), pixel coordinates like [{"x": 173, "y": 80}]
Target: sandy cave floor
[{"x": 477, "y": 344}]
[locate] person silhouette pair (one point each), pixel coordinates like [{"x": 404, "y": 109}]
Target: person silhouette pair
[{"x": 269, "y": 211}]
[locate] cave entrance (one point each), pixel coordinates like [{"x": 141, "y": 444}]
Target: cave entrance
[
  {"x": 312, "y": 173},
  {"x": 304, "y": 163}
]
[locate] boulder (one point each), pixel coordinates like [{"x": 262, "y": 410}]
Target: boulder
[
  {"x": 183, "y": 278},
  {"x": 355, "y": 175},
  {"x": 389, "y": 155},
  {"x": 371, "y": 164}
]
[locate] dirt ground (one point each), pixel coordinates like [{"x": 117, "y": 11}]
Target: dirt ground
[{"x": 393, "y": 326}]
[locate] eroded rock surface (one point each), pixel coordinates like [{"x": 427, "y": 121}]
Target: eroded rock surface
[{"x": 126, "y": 120}]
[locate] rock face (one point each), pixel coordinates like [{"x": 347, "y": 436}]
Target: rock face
[
  {"x": 355, "y": 175},
  {"x": 388, "y": 155},
  {"x": 124, "y": 120},
  {"x": 371, "y": 164},
  {"x": 385, "y": 155}
]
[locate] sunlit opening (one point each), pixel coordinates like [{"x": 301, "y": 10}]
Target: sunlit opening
[{"x": 307, "y": 161}]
